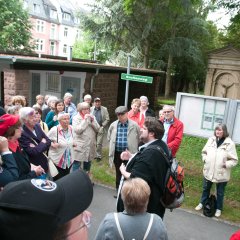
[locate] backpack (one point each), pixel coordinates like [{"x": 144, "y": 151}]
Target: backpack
[
  {"x": 209, "y": 206},
  {"x": 173, "y": 191}
]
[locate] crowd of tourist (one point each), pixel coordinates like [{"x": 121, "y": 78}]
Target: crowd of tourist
[{"x": 56, "y": 134}]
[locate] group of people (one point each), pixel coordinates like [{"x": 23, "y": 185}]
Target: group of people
[{"x": 71, "y": 137}]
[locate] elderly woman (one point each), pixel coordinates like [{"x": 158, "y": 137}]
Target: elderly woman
[
  {"x": 134, "y": 114},
  {"x": 85, "y": 128},
  {"x": 33, "y": 140},
  {"x": 38, "y": 114},
  {"x": 51, "y": 100},
  {"x": 219, "y": 156},
  {"x": 61, "y": 150},
  {"x": 144, "y": 109},
  {"x": 134, "y": 222},
  {"x": 52, "y": 116},
  {"x": 11, "y": 128}
]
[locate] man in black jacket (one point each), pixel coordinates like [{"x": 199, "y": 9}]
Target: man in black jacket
[{"x": 148, "y": 164}]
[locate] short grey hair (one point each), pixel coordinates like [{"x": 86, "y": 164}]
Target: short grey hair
[
  {"x": 67, "y": 95},
  {"x": 24, "y": 113},
  {"x": 88, "y": 96},
  {"x": 62, "y": 114},
  {"x": 51, "y": 99},
  {"x": 169, "y": 107},
  {"x": 82, "y": 105}
]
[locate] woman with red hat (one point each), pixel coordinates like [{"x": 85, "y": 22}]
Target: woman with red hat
[{"x": 11, "y": 128}]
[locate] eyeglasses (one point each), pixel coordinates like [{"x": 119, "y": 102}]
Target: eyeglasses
[
  {"x": 85, "y": 108},
  {"x": 167, "y": 111}
]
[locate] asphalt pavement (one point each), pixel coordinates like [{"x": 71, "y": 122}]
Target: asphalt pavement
[{"x": 181, "y": 224}]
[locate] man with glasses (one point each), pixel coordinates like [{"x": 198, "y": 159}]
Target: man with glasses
[
  {"x": 173, "y": 129},
  {"x": 122, "y": 134}
]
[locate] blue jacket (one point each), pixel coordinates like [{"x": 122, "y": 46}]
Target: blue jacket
[{"x": 8, "y": 170}]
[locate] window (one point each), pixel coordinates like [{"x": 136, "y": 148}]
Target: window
[
  {"x": 65, "y": 33},
  {"x": 77, "y": 20},
  {"x": 40, "y": 26},
  {"x": 77, "y": 34},
  {"x": 36, "y": 8},
  {"x": 53, "y": 82},
  {"x": 53, "y": 31},
  {"x": 52, "y": 48},
  {"x": 65, "y": 48},
  {"x": 53, "y": 14},
  {"x": 66, "y": 16},
  {"x": 40, "y": 45}
]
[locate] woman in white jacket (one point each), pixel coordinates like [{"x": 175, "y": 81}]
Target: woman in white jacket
[
  {"x": 219, "y": 156},
  {"x": 61, "y": 150}
]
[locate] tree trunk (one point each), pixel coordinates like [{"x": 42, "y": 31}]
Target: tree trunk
[{"x": 168, "y": 76}]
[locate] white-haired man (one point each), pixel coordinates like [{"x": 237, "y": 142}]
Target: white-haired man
[
  {"x": 69, "y": 106},
  {"x": 173, "y": 129}
]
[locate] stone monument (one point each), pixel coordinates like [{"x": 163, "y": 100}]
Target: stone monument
[{"x": 223, "y": 75}]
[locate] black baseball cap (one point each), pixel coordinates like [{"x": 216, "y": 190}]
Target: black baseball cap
[{"x": 37, "y": 206}]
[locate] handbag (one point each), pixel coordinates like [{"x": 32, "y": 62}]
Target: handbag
[{"x": 52, "y": 169}]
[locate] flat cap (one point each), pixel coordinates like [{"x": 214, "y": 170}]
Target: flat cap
[
  {"x": 121, "y": 109},
  {"x": 97, "y": 99}
]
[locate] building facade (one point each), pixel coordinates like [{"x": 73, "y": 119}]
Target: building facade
[{"x": 55, "y": 26}]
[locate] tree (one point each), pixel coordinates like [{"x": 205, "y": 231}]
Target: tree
[{"x": 15, "y": 27}]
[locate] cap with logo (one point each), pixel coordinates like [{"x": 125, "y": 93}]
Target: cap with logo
[{"x": 39, "y": 206}]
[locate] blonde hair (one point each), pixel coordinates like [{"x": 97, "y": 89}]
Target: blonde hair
[
  {"x": 136, "y": 101},
  {"x": 135, "y": 195}
]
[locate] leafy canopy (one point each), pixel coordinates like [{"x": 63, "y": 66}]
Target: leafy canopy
[{"x": 15, "y": 28}]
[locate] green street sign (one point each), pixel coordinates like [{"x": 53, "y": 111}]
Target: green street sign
[{"x": 136, "y": 78}]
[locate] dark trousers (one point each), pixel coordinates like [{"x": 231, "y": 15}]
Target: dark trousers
[
  {"x": 61, "y": 173},
  {"x": 220, "y": 192},
  {"x": 117, "y": 163}
]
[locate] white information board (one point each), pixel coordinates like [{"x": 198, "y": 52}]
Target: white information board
[{"x": 200, "y": 114}]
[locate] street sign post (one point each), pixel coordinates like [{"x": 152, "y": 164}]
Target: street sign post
[{"x": 136, "y": 78}]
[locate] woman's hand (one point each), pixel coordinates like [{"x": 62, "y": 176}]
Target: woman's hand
[
  {"x": 55, "y": 145},
  {"x": 38, "y": 170}
]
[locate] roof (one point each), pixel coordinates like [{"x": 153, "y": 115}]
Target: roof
[{"x": 62, "y": 64}]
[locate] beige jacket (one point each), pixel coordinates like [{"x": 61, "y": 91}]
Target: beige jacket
[
  {"x": 84, "y": 137},
  {"x": 133, "y": 138},
  {"x": 105, "y": 115},
  {"x": 215, "y": 158}
]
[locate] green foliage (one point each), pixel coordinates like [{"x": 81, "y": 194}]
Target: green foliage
[
  {"x": 189, "y": 155},
  {"x": 15, "y": 27}
]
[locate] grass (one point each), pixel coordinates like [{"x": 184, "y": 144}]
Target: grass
[
  {"x": 164, "y": 101},
  {"x": 189, "y": 155}
]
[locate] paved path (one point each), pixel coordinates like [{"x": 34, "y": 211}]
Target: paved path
[{"x": 181, "y": 224}]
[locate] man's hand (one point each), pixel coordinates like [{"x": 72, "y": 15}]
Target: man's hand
[
  {"x": 126, "y": 155},
  {"x": 3, "y": 144},
  {"x": 44, "y": 140}
]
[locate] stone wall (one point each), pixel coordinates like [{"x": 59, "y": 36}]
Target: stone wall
[{"x": 16, "y": 82}]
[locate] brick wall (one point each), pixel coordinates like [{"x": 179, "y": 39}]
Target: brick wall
[
  {"x": 105, "y": 86},
  {"x": 16, "y": 82}
]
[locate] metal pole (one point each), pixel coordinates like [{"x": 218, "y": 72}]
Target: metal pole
[{"x": 127, "y": 81}]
